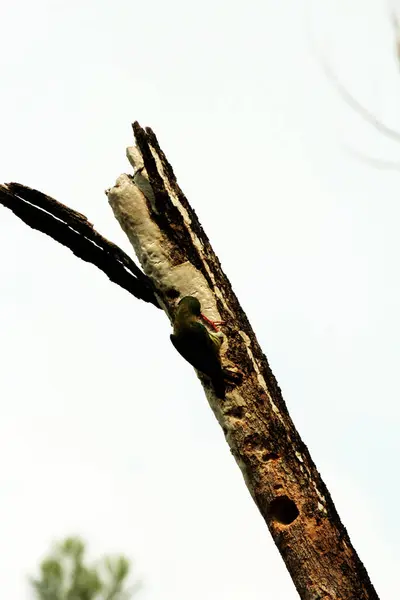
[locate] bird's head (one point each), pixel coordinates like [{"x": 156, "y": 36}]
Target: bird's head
[
  {"x": 191, "y": 305},
  {"x": 189, "y": 309}
]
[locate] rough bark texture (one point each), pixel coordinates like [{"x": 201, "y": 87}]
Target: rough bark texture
[{"x": 176, "y": 255}]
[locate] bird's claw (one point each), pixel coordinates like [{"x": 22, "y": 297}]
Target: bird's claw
[{"x": 212, "y": 324}]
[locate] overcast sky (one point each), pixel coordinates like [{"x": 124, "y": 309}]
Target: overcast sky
[{"x": 104, "y": 430}]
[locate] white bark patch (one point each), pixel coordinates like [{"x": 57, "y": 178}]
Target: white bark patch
[
  {"x": 135, "y": 157},
  {"x": 130, "y": 208},
  {"x": 320, "y": 496},
  {"x": 260, "y": 378},
  {"x": 152, "y": 248}
]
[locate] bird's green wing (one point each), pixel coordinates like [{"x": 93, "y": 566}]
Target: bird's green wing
[{"x": 199, "y": 349}]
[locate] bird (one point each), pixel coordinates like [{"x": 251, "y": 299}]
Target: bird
[{"x": 199, "y": 346}]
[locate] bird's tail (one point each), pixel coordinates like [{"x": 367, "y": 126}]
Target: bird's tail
[{"x": 219, "y": 385}]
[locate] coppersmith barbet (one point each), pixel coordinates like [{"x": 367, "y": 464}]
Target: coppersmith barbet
[{"x": 199, "y": 346}]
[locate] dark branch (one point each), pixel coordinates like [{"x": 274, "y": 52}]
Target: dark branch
[{"x": 73, "y": 230}]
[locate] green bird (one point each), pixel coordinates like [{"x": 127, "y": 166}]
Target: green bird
[{"x": 199, "y": 346}]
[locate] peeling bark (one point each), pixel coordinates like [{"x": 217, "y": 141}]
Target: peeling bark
[{"x": 176, "y": 255}]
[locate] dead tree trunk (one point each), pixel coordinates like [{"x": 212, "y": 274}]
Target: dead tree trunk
[
  {"x": 177, "y": 256},
  {"x": 178, "y": 260}
]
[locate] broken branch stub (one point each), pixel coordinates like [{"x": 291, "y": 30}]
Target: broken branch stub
[
  {"x": 74, "y": 231},
  {"x": 176, "y": 255}
]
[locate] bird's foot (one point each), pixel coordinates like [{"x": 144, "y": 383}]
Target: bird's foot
[{"x": 212, "y": 324}]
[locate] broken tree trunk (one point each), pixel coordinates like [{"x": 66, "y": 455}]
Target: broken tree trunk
[
  {"x": 276, "y": 465},
  {"x": 178, "y": 260}
]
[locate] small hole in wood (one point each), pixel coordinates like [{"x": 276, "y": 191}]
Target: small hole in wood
[
  {"x": 172, "y": 293},
  {"x": 283, "y": 510},
  {"x": 235, "y": 411},
  {"x": 270, "y": 456}
]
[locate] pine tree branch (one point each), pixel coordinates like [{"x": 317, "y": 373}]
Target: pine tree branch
[
  {"x": 278, "y": 470},
  {"x": 73, "y": 230}
]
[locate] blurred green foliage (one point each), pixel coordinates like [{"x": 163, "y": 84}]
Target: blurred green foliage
[{"x": 66, "y": 575}]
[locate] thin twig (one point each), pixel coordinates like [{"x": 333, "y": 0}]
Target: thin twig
[{"x": 356, "y": 105}]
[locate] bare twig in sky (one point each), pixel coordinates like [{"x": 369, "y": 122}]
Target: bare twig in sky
[{"x": 367, "y": 115}]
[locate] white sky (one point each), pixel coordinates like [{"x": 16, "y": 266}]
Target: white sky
[{"x": 104, "y": 431}]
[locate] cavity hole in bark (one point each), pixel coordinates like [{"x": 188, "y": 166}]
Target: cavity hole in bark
[
  {"x": 270, "y": 456},
  {"x": 235, "y": 411},
  {"x": 172, "y": 293},
  {"x": 283, "y": 510}
]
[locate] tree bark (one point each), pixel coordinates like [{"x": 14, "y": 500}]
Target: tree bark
[{"x": 176, "y": 255}]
